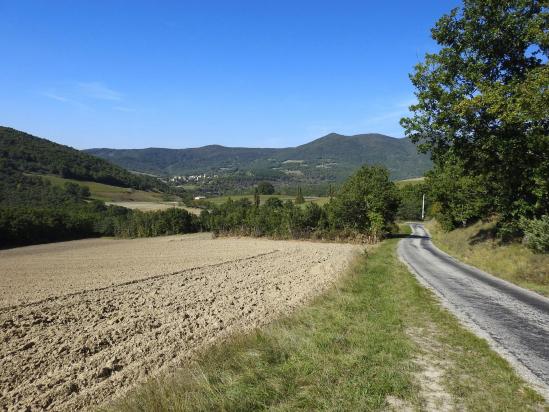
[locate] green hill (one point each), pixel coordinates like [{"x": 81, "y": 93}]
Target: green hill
[
  {"x": 329, "y": 158},
  {"x": 25, "y": 153},
  {"x": 50, "y": 192}
]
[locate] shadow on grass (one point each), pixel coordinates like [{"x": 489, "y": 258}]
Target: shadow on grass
[{"x": 483, "y": 235}]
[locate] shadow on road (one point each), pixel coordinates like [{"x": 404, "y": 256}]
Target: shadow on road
[{"x": 404, "y": 235}]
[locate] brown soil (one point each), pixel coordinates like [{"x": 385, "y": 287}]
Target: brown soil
[{"x": 82, "y": 322}]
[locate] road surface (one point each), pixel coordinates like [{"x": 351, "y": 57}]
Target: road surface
[{"x": 515, "y": 321}]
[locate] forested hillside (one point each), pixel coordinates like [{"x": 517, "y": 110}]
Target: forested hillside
[
  {"x": 30, "y": 154},
  {"x": 33, "y": 210},
  {"x": 333, "y": 157}
]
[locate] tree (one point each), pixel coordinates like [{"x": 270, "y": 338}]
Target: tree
[
  {"x": 366, "y": 199},
  {"x": 299, "y": 198},
  {"x": 483, "y": 102},
  {"x": 77, "y": 190},
  {"x": 265, "y": 188},
  {"x": 411, "y": 198},
  {"x": 458, "y": 198},
  {"x": 257, "y": 199}
]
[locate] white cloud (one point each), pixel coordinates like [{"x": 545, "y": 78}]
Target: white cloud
[
  {"x": 63, "y": 99},
  {"x": 98, "y": 90},
  {"x": 123, "y": 109},
  {"x": 57, "y": 97}
]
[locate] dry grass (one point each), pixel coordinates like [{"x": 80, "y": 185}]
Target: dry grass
[
  {"x": 513, "y": 262},
  {"x": 151, "y": 206}
]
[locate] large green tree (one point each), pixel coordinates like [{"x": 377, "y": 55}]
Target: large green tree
[
  {"x": 367, "y": 202},
  {"x": 483, "y": 101}
]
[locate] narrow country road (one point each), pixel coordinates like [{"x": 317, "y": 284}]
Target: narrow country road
[{"x": 514, "y": 321}]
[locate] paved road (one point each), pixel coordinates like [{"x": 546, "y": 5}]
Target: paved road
[{"x": 515, "y": 321}]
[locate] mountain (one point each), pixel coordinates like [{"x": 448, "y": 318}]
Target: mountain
[
  {"x": 332, "y": 157},
  {"x": 182, "y": 161},
  {"x": 23, "y": 153}
]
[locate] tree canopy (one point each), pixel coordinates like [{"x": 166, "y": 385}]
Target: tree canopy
[
  {"x": 265, "y": 188},
  {"x": 368, "y": 201},
  {"x": 483, "y": 103}
]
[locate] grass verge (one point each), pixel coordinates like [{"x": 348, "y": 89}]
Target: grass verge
[
  {"x": 365, "y": 345},
  {"x": 513, "y": 262}
]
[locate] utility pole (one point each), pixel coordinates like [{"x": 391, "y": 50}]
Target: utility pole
[{"x": 423, "y": 208}]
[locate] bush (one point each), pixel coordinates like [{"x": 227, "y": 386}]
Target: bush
[
  {"x": 265, "y": 188},
  {"x": 536, "y": 233}
]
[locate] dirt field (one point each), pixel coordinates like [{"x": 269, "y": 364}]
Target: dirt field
[{"x": 83, "y": 321}]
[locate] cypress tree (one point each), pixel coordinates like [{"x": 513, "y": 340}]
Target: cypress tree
[{"x": 299, "y": 199}]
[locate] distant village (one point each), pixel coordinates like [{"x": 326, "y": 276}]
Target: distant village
[{"x": 202, "y": 178}]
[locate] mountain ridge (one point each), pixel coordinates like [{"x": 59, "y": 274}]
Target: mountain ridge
[{"x": 331, "y": 157}]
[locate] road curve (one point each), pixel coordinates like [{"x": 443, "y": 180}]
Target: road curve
[{"x": 515, "y": 321}]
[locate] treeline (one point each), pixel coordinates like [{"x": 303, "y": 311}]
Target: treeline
[
  {"x": 158, "y": 223},
  {"x": 363, "y": 209},
  {"x": 21, "y": 226},
  {"x": 32, "y": 210},
  {"x": 31, "y": 225}
]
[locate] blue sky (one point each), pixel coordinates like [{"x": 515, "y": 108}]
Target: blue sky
[{"x": 132, "y": 74}]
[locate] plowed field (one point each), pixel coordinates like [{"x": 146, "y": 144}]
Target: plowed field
[{"x": 82, "y": 322}]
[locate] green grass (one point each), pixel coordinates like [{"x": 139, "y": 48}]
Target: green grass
[
  {"x": 108, "y": 193},
  {"x": 190, "y": 187},
  {"x": 513, "y": 262},
  {"x": 354, "y": 348},
  {"x": 407, "y": 182}
]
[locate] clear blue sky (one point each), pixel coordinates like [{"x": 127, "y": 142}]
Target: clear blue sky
[{"x": 132, "y": 74}]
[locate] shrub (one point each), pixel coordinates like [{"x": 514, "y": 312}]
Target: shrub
[
  {"x": 265, "y": 188},
  {"x": 536, "y": 233}
]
